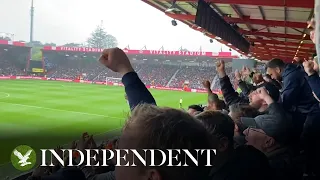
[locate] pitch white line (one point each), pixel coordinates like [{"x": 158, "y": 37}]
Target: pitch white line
[
  {"x": 7, "y": 95},
  {"x": 76, "y": 112}
]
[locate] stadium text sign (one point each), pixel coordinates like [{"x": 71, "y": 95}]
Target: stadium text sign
[
  {"x": 80, "y": 49},
  {"x": 144, "y": 52},
  {"x": 122, "y": 156},
  {"x": 180, "y": 53}
]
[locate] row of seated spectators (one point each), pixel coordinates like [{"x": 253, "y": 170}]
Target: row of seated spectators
[
  {"x": 150, "y": 74},
  {"x": 194, "y": 75},
  {"x": 157, "y": 75},
  {"x": 7, "y": 68}
]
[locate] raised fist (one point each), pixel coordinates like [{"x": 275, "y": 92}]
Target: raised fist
[
  {"x": 245, "y": 71},
  {"x": 263, "y": 93},
  {"x": 116, "y": 60},
  {"x": 220, "y": 66},
  {"x": 206, "y": 84},
  {"x": 311, "y": 67},
  {"x": 313, "y": 36},
  {"x": 237, "y": 75}
]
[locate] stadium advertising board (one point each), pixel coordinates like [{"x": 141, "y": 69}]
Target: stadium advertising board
[
  {"x": 144, "y": 52},
  {"x": 103, "y": 83},
  {"x": 7, "y": 77},
  {"x": 38, "y": 70}
]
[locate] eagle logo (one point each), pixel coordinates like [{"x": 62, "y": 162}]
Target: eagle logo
[{"x": 23, "y": 158}]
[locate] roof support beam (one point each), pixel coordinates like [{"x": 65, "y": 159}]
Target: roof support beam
[
  {"x": 237, "y": 11},
  {"x": 263, "y": 15},
  {"x": 245, "y": 20},
  {"x": 269, "y": 23},
  {"x": 279, "y": 54},
  {"x": 280, "y": 48},
  {"x": 285, "y": 20},
  {"x": 277, "y": 51},
  {"x": 182, "y": 16},
  {"x": 283, "y": 50},
  {"x": 279, "y": 3},
  {"x": 275, "y": 35},
  {"x": 264, "y": 41}
]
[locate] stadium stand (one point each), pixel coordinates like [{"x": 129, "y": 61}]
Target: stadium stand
[
  {"x": 155, "y": 68},
  {"x": 13, "y": 58}
]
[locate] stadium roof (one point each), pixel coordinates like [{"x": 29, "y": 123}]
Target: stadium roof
[
  {"x": 13, "y": 43},
  {"x": 143, "y": 52},
  {"x": 275, "y": 28}
]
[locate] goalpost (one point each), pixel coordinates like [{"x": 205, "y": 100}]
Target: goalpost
[{"x": 112, "y": 80}]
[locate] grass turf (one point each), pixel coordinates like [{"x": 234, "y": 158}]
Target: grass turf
[{"x": 44, "y": 114}]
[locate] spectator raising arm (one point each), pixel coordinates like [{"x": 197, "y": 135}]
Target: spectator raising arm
[
  {"x": 245, "y": 88},
  {"x": 116, "y": 60},
  {"x": 207, "y": 86},
  {"x": 312, "y": 69},
  {"x": 274, "y": 108},
  {"x": 229, "y": 94}
]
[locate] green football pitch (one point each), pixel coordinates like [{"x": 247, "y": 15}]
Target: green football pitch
[{"x": 44, "y": 114}]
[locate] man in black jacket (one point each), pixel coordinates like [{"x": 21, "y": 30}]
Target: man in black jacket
[
  {"x": 297, "y": 98},
  {"x": 296, "y": 93},
  {"x": 270, "y": 133},
  {"x": 243, "y": 162}
]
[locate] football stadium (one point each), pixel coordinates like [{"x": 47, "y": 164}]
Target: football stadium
[
  {"x": 69, "y": 92},
  {"x": 256, "y": 103}
]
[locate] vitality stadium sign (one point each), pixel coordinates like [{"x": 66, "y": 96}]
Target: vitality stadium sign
[
  {"x": 180, "y": 53},
  {"x": 143, "y": 52},
  {"x": 79, "y": 49}
]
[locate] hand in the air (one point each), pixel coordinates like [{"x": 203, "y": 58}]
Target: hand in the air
[
  {"x": 263, "y": 94},
  {"x": 220, "y": 67},
  {"x": 206, "y": 84},
  {"x": 237, "y": 75},
  {"x": 245, "y": 71},
  {"x": 116, "y": 60},
  {"x": 311, "y": 67}
]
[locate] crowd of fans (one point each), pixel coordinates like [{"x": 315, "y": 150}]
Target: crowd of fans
[
  {"x": 151, "y": 74},
  {"x": 193, "y": 75},
  {"x": 268, "y": 131},
  {"x": 8, "y": 68},
  {"x": 157, "y": 75}
]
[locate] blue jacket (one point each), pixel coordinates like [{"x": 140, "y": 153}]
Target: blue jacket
[
  {"x": 314, "y": 82},
  {"x": 136, "y": 91},
  {"x": 296, "y": 93}
]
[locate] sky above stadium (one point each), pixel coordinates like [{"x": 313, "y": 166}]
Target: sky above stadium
[{"x": 132, "y": 22}]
